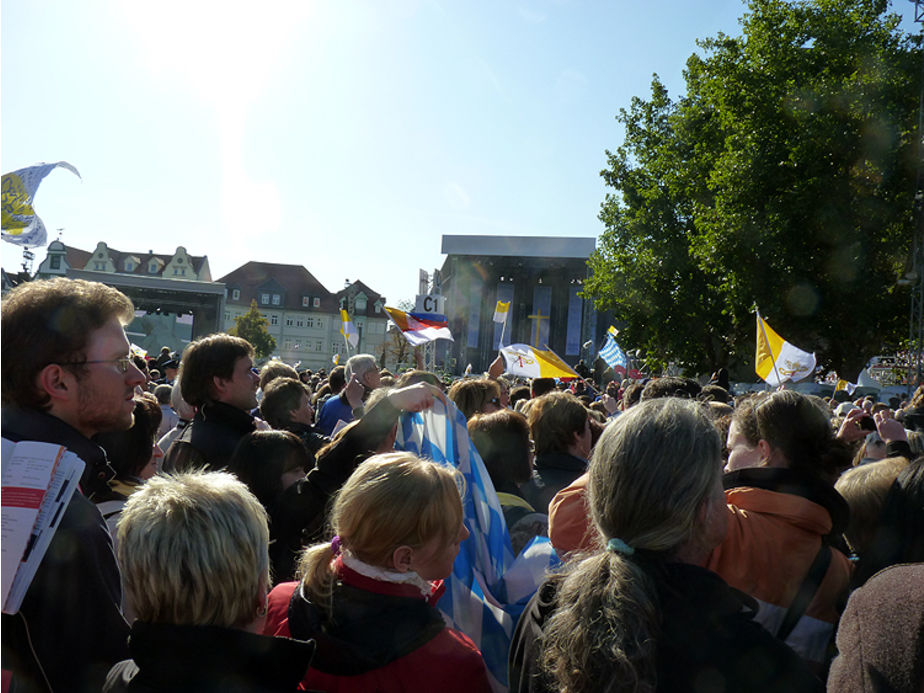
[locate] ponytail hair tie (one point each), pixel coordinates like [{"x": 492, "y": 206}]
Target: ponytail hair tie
[
  {"x": 335, "y": 545},
  {"x": 616, "y": 545}
]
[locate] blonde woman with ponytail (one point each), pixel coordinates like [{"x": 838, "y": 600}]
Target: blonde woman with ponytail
[
  {"x": 641, "y": 614},
  {"x": 367, "y": 597}
]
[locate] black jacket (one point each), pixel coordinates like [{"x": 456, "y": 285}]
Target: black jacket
[
  {"x": 553, "y": 471},
  {"x": 71, "y": 611},
  {"x": 201, "y": 659},
  {"x": 708, "y": 640},
  {"x": 299, "y": 517},
  {"x": 209, "y": 441}
]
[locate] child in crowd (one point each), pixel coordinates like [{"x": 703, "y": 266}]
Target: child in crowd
[{"x": 367, "y": 597}]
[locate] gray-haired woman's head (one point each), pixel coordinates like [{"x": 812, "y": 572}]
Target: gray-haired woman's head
[{"x": 651, "y": 471}]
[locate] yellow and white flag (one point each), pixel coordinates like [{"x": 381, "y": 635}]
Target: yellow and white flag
[
  {"x": 501, "y": 311},
  {"x": 777, "y": 361},
  {"x": 846, "y": 386},
  {"x": 348, "y": 329},
  {"x": 21, "y": 225},
  {"x": 530, "y": 362}
]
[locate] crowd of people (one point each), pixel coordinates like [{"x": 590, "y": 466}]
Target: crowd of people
[{"x": 257, "y": 529}]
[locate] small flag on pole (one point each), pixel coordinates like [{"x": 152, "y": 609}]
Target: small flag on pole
[
  {"x": 777, "y": 361},
  {"x": 501, "y": 311},
  {"x": 530, "y": 362},
  {"x": 348, "y": 330},
  {"x": 21, "y": 225}
]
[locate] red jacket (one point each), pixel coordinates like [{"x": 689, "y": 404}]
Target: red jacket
[{"x": 447, "y": 662}]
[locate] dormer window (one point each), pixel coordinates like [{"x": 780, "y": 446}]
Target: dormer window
[
  {"x": 152, "y": 267},
  {"x": 129, "y": 266},
  {"x": 360, "y": 303},
  {"x": 235, "y": 294},
  {"x": 276, "y": 299},
  {"x": 264, "y": 299}
]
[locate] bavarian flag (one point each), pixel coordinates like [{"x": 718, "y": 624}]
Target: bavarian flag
[{"x": 777, "y": 361}]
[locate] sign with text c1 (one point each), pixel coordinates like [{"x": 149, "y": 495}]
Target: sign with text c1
[{"x": 430, "y": 303}]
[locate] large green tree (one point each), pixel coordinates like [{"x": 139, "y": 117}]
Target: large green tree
[
  {"x": 252, "y": 326},
  {"x": 783, "y": 178}
]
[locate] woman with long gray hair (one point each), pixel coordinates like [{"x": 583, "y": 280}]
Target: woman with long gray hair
[{"x": 642, "y": 615}]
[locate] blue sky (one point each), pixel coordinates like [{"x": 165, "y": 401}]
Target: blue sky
[{"x": 345, "y": 136}]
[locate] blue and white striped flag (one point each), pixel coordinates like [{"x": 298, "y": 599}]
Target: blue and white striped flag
[
  {"x": 612, "y": 354},
  {"x": 489, "y": 586}
]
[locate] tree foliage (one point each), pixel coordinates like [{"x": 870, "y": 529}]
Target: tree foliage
[
  {"x": 783, "y": 178},
  {"x": 252, "y": 326}
]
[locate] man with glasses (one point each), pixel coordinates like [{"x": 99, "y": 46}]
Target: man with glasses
[
  {"x": 66, "y": 376},
  {"x": 216, "y": 377}
]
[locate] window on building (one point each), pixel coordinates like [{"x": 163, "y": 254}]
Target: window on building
[
  {"x": 129, "y": 266},
  {"x": 306, "y": 301},
  {"x": 275, "y": 299},
  {"x": 55, "y": 262},
  {"x": 176, "y": 272},
  {"x": 179, "y": 261},
  {"x": 299, "y": 323},
  {"x": 317, "y": 302},
  {"x": 152, "y": 268},
  {"x": 320, "y": 324},
  {"x": 310, "y": 322},
  {"x": 99, "y": 266},
  {"x": 289, "y": 322},
  {"x": 317, "y": 345},
  {"x": 235, "y": 294},
  {"x": 264, "y": 299},
  {"x": 360, "y": 303},
  {"x": 183, "y": 272},
  {"x": 227, "y": 316},
  {"x": 274, "y": 319},
  {"x": 378, "y": 307}
]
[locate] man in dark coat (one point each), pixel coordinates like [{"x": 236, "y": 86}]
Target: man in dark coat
[
  {"x": 67, "y": 375},
  {"x": 217, "y": 377}
]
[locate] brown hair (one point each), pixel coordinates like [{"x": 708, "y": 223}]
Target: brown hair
[
  {"x": 275, "y": 369},
  {"x": 50, "y": 321},
  {"x": 865, "y": 489},
  {"x": 553, "y": 419},
  {"x": 472, "y": 394},
  {"x": 502, "y": 440},
  {"x": 129, "y": 451},
  {"x": 280, "y": 397},
  {"x": 797, "y": 427},
  {"x": 208, "y": 358}
]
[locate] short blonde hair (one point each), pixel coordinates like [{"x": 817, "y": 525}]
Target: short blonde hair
[
  {"x": 392, "y": 499},
  {"x": 193, "y": 549}
]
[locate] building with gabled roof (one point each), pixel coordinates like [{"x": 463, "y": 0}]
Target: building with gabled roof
[
  {"x": 179, "y": 265},
  {"x": 303, "y": 316}
]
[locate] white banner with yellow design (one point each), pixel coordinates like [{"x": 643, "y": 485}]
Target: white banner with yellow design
[
  {"x": 21, "y": 225},
  {"x": 530, "y": 362},
  {"x": 777, "y": 361}
]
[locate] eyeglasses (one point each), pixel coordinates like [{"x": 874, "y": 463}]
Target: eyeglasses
[
  {"x": 121, "y": 363},
  {"x": 495, "y": 401}
]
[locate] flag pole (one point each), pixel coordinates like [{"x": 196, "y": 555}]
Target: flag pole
[
  {"x": 504, "y": 328},
  {"x": 769, "y": 348}
]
